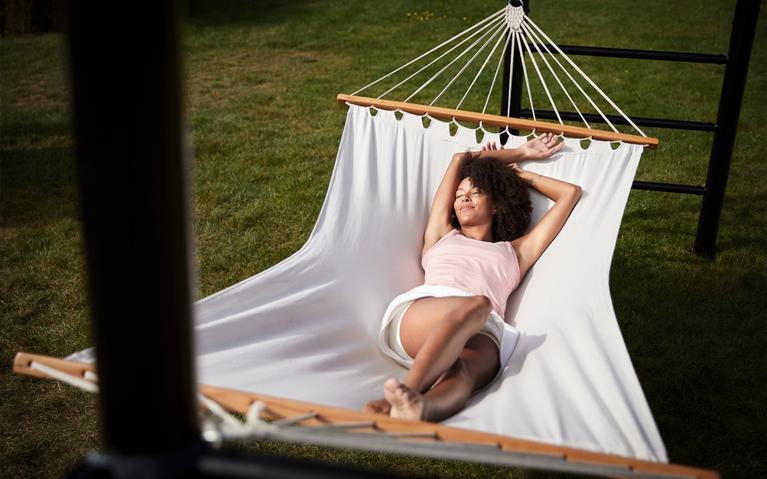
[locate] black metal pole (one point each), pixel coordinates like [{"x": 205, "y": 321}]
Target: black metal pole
[
  {"x": 741, "y": 40},
  {"x": 512, "y": 106},
  {"x": 662, "y": 55},
  {"x": 131, "y": 171}
]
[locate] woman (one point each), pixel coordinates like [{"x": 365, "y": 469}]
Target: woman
[{"x": 450, "y": 331}]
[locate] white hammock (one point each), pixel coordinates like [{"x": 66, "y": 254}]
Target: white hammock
[{"x": 306, "y": 328}]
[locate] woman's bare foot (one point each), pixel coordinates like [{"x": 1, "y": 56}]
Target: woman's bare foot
[
  {"x": 405, "y": 403},
  {"x": 379, "y": 406}
]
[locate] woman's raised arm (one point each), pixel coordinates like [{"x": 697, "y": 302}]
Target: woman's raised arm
[
  {"x": 531, "y": 246},
  {"x": 442, "y": 206}
]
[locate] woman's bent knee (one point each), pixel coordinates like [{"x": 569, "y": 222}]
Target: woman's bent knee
[
  {"x": 482, "y": 305},
  {"x": 479, "y": 308},
  {"x": 471, "y": 312}
]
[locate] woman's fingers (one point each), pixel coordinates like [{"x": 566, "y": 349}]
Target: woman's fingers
[
  {"x": 550, "y": 140},
  {"x": 547, "y": 138},
  {"x": 551, "y": 150},
  {"x": 545, "y": 145}
]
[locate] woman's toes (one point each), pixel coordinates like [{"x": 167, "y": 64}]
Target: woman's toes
[
  {"x": 379, "y": 406},
  {"x": 405, "y": 403}
]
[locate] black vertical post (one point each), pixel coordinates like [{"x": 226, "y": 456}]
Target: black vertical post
[
  {"x": 512, "y": 107},
  {"x": 741, "y": 40},
  {"x": 131, "y": 172}
]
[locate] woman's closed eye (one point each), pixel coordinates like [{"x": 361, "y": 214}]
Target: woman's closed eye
[{"x": 472, "y": 194}]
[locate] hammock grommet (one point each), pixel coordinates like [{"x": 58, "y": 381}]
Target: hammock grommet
[
  {"x": 509, "y": 136},
  {"x": 479, "y": 134},
  {"x": 485, "y": 130},
  {"x": 453, "y": 127}
]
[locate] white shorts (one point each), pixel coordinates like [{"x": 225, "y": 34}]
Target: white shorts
[{"x": 503, "y": 334}]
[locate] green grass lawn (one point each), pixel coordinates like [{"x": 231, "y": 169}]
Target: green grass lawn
[{"x": 261, "y": 79}]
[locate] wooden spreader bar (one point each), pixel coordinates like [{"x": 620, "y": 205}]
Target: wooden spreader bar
[
  {"x": 497, "y": 120},
  {"x": 338, "y": 427}
]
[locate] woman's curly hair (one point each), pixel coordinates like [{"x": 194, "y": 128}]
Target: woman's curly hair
[{"x": 508, "y": 192}]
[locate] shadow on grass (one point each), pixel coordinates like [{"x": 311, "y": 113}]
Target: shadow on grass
[
  {"x": 677, "y": 219},
  {"x": 696, "y": 336},
  {"x": 742, "y": 215},
  {"x": 37, "y": 186}
]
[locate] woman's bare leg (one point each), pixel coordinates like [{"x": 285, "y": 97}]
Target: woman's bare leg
[
  {"x": 474, "y": 369},
  {"x": 434, "y": 331}
]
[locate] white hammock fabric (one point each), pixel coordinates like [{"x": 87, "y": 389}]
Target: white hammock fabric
[{"x": 306, "y": 328}]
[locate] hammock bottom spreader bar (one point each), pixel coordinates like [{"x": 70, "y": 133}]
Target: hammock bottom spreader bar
[
  {"x": 296, "y": 421},
  {"x": 497, "y": 120}
]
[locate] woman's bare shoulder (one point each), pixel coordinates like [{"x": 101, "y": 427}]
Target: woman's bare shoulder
[{"x": 435, "y": 237}]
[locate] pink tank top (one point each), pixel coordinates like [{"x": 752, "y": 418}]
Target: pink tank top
[{"x": 479, "y": 267}]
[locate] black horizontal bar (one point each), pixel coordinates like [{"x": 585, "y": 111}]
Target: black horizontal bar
[
  {"x": 619, "y": 120},
  {"x": 668, "y": 187},
  {"x": 642, "y": 54}
]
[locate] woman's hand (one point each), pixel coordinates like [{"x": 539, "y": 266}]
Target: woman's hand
[
  {"x": 539, "y": 148},
  {"x": 490, "y": 146}
]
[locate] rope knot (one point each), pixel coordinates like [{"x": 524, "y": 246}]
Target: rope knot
[{"x": 514, "y": 17}]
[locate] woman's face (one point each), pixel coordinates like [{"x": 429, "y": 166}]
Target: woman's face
[{"x": 472, "y": 206}]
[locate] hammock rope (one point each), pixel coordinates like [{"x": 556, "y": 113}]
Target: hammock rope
[
  {"x": 498, "y": 32},
  {"x": 481, "y": 69},
  {"x": 459, "y": 35},
  {"x": 523, "y": 39},
  {"x": 465, "y": 51},
  {"x": 585, "y": 76},
  {"x": 495, "y": 75},
  {"x": 428, "y": 64},
  {"x": 577, "y": 85},
  {"x": 524, "y": 73},
  {"x": 540, "y": 76}
]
